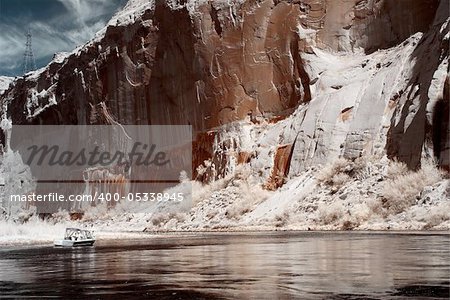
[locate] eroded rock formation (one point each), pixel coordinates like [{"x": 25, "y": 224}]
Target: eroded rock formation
[
  {"x": 343, "y": 77},
  {"x": 4, "y": 83}
]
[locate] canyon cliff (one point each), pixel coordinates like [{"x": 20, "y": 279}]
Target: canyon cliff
[
  {"x": 278, "y": 86},
  {"x": 334, "y": 77}
]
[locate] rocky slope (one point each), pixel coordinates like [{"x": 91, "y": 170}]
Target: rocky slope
[
  {"x": 278, "y": 86},
  {"x": 4, "y": 83}
]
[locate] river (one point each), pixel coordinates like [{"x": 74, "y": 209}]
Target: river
[{"x": 264, "y": 265}]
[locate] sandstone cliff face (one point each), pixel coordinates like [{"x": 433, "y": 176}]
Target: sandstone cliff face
[
  {"x": 372, "y": 24},
  {"x": 324, "y": 78}
]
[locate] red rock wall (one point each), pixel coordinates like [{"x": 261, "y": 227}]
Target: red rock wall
[{"x": 217, "y": 64}]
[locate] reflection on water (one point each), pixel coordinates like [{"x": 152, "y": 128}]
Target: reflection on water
[{"x": 237, "y": 266}]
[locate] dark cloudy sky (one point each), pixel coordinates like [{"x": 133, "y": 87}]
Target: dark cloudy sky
[{"x": 56, "y": 26}]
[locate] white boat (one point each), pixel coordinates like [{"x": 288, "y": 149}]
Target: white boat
[{"x": 75, "y": 237}]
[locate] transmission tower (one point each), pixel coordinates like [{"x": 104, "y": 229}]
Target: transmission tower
[{"x": 29, "y": 63}]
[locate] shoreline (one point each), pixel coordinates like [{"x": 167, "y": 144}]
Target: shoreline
[{"x": 108, "y": 236}]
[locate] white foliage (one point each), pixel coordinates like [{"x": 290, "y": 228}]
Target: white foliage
[{"x": 18, "y": 181}]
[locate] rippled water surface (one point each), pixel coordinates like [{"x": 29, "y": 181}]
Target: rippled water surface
[{"x": 303, "y": 265}]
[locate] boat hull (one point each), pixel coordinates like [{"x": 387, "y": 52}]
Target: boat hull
[{"x": 70, "y": 243}]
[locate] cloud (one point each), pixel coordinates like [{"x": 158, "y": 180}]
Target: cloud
[
  {"x": 85, "y": 10},
  {"x": 74, "y": 24},
  {"x": 12, "y": 46}
]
